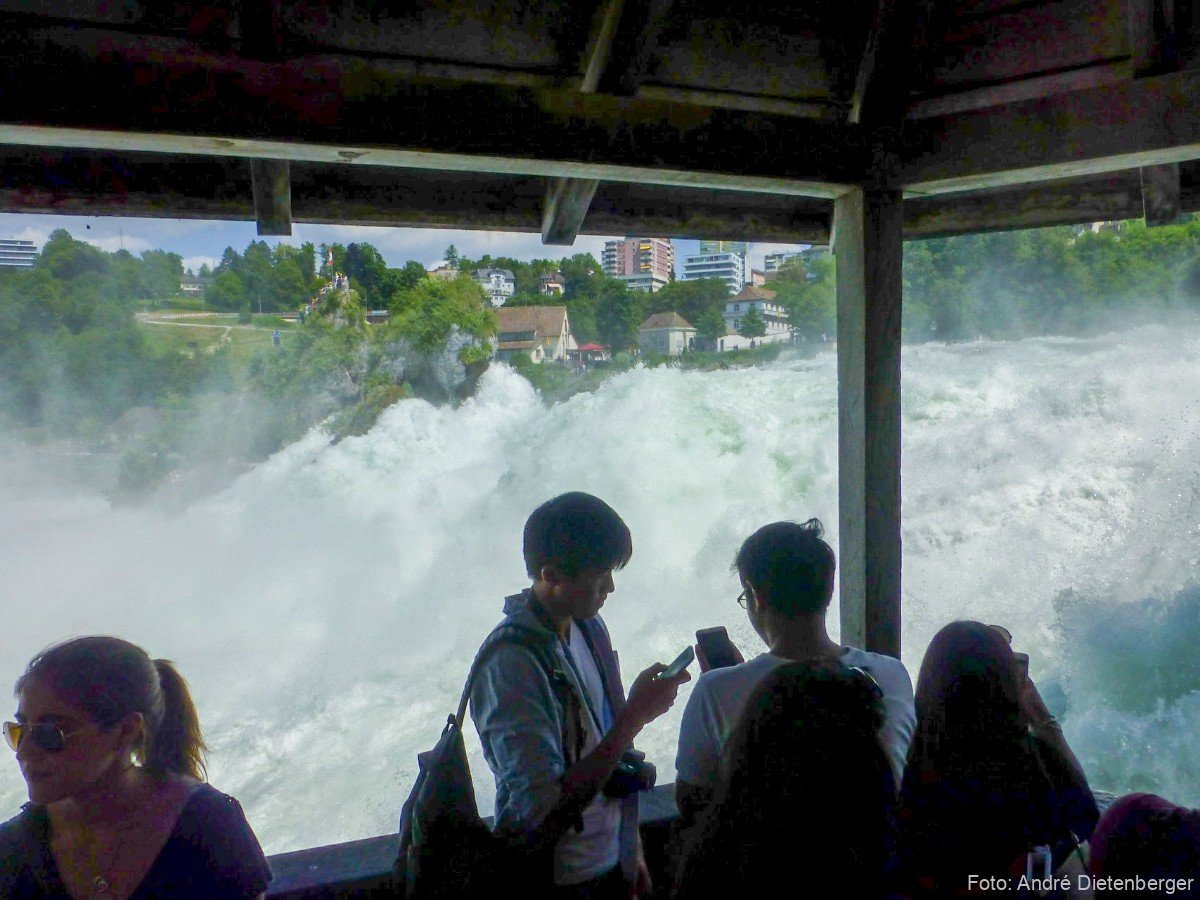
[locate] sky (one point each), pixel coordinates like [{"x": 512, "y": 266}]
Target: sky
[{"x": 202, "y": 241}]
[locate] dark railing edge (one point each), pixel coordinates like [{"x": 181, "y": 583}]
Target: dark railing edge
[
  {"x": 363, "y": 868},
  {"x": 358, "y": 868}
]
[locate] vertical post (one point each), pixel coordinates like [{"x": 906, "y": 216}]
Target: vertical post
[{"x": 867, "y": 243}]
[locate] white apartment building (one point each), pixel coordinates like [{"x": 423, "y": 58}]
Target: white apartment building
[{"x": 730, "y": 267}]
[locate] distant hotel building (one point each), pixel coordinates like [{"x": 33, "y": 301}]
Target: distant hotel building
[
  {"x": 729, "y": 266},
  {"x": 773, "y": 262},
  {"x": 17, "y": 253},
  {"x": 644, "y": 264},
  {"x": 498, "y": 284}
]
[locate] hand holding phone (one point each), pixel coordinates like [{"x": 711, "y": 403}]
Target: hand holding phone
[
  {"x": 681, "y": 662},
  {"x": 715, "y": 649}
]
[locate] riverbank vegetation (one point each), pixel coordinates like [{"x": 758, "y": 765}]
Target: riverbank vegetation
[{"x": 77, "y": 366}]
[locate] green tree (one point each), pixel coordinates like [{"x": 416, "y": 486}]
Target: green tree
[
  {"x": 451, "y": 256},
  {"x": 752, "y": 324},
  {"x": 618, "y": 314},
  {"x": 430, "y": 311},
  {"x": 410, "y": 276}
]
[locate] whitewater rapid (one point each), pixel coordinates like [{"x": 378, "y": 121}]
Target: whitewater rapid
[{"x": 325, "y": 606}]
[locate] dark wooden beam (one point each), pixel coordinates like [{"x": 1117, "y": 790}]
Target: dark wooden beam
[
  {"x": 84, "y": 182},
  {"x": 178, "y": 97},
  {"x": 261, "y": 29},
  {"x": 1149, "y": 121},
  {"x": 631, "y": 58},
  {"x": 893, "y": 59},
  {"x": 271, "y": 181},
  {"x": 567, "y": 202},
  {"x": 867, "y": 243},
  {"x": 1153, "y": 49}
]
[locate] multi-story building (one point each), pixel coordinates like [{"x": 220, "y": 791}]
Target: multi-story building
[
  {"x": 728, "y": 266},
  {"x": 772, "y": 262},
  {"x": 644, "y": 264},
  {"x": 498, "y": 284},
  {"x": 772, "y": 313},
  {"x": 17, "y": 253}
]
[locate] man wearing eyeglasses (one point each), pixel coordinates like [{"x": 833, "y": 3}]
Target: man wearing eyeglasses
[
  {"x": 572, "y": 544},
  {"x": 787, "y": 574}
]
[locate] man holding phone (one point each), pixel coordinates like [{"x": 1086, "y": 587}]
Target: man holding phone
[
  {"x": 787, "y": 575},
  {"x": 548, "y": 758}
]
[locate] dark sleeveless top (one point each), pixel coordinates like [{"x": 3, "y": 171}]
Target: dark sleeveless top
[{"x": 210, "y": 855}]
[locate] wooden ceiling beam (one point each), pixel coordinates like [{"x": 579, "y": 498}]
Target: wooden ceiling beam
[
  {"x": 271, "y": 184},
  {"x": 178, "y": 97},
  {"x": 1149, "y": 121},
  {"x": 565, "y": 207}
]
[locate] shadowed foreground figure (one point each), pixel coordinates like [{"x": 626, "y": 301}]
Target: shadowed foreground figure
[
  {"x": 989, "y": 775},
  {"x": 805, "y": 800},
  {"x": 1143, "y": 835}
]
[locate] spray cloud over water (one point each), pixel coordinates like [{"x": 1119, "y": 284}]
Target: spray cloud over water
[{"x": 326, "y": 606}]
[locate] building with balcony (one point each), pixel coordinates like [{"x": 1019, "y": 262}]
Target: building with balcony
[
  {"x": 730, "y": 267},
  {"x": 772, "y": 313},
  {"x": 772, "y": 262},
  {"x": 539, "y": 333},
  {"x": 18, "y": 253},
  {"x": 644, "y": 264},
  {"x": 498, "y": 284}
]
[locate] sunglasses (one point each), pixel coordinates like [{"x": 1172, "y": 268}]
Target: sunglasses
[{"x": 45, "y": 735}]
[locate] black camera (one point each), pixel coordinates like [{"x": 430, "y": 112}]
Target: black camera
[{"x": 632, "y": 774}]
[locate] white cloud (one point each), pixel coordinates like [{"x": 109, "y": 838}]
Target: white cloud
[
  {"x": 195, "y": 262},
  {"x": 112, "y": 244}
]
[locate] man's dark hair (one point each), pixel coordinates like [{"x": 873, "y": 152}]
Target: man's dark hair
[
  {"x": 576, "y": 532},
  {"x": 789, "y": 566}
]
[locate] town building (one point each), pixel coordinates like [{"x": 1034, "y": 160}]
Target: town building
[
  {"x": 729, "y": 266},
  {"x": 773, "y": 314},
  {"x": 498, "y": 284},
  {"x": 552, "y": 284},
  {"x": 195, "y": 287},
  {"x": 667, "y": 333},
  {"x": 444, "y": 272},
  {"x": 773, "y": 262},
  {"x": 539, "y": 333},
  {"x": 757, "y": 278},
  {"x": 644, "y": 264},
  {"x": 17, "y": 253}
]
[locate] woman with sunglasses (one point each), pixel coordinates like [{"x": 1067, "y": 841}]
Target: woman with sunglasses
[
  {"x": 109, "y": 744},
  {"x": 805, "y": 797},
  {"x": 990, "y": 777}
]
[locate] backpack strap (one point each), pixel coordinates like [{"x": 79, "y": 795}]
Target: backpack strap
[{"x": 573, "y": 736}]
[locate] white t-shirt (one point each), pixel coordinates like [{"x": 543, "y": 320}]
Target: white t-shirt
[
  {"x": 596, "y": 849},
  {"x": 720, "y": 695}
]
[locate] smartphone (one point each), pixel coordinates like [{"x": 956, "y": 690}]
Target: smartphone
[
  {"x": 1022, "y": 663},
  {"x": 681, "y": 662},
  {"x": 718, "y": 649}
]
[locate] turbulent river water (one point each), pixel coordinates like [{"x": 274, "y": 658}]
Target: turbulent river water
[{"x": 326, "y": 605}]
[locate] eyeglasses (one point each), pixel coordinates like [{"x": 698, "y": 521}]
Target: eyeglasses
[
  {"x": 743, "y": 597},
  {"x": 45, "y": 735},
  {"x": 867, "y": 678}
]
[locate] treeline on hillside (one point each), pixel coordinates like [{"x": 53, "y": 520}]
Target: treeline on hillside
[
  {"x": 1066, "y": 280},
  {"x": 266, "y": 280},
  {"x": 71, "y": 356}
]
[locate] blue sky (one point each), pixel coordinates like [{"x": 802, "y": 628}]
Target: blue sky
[{"x": 199, "y": 241}]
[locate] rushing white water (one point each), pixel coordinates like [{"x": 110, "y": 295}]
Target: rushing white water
[{"x": 325, "y": 607}]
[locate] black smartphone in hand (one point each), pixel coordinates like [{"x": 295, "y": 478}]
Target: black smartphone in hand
[{"x": 716, "y": 648}]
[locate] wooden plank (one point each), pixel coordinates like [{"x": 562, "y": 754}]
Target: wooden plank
[
  {"x": 272, "y": 186},
  {"x": 1051, "y": 37},
  {"x": 641, "y": 25},
  {"x": 1021, "y": 89},
  {"x": 1161, "y": 194},
  {"x": 867, "y": 244},
  {"x": 177, "y": 97},
  {"x": 1150, "y": 121},
  {"x": 567, "y": 202},
  {"x": 1097, "y": 198}
]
